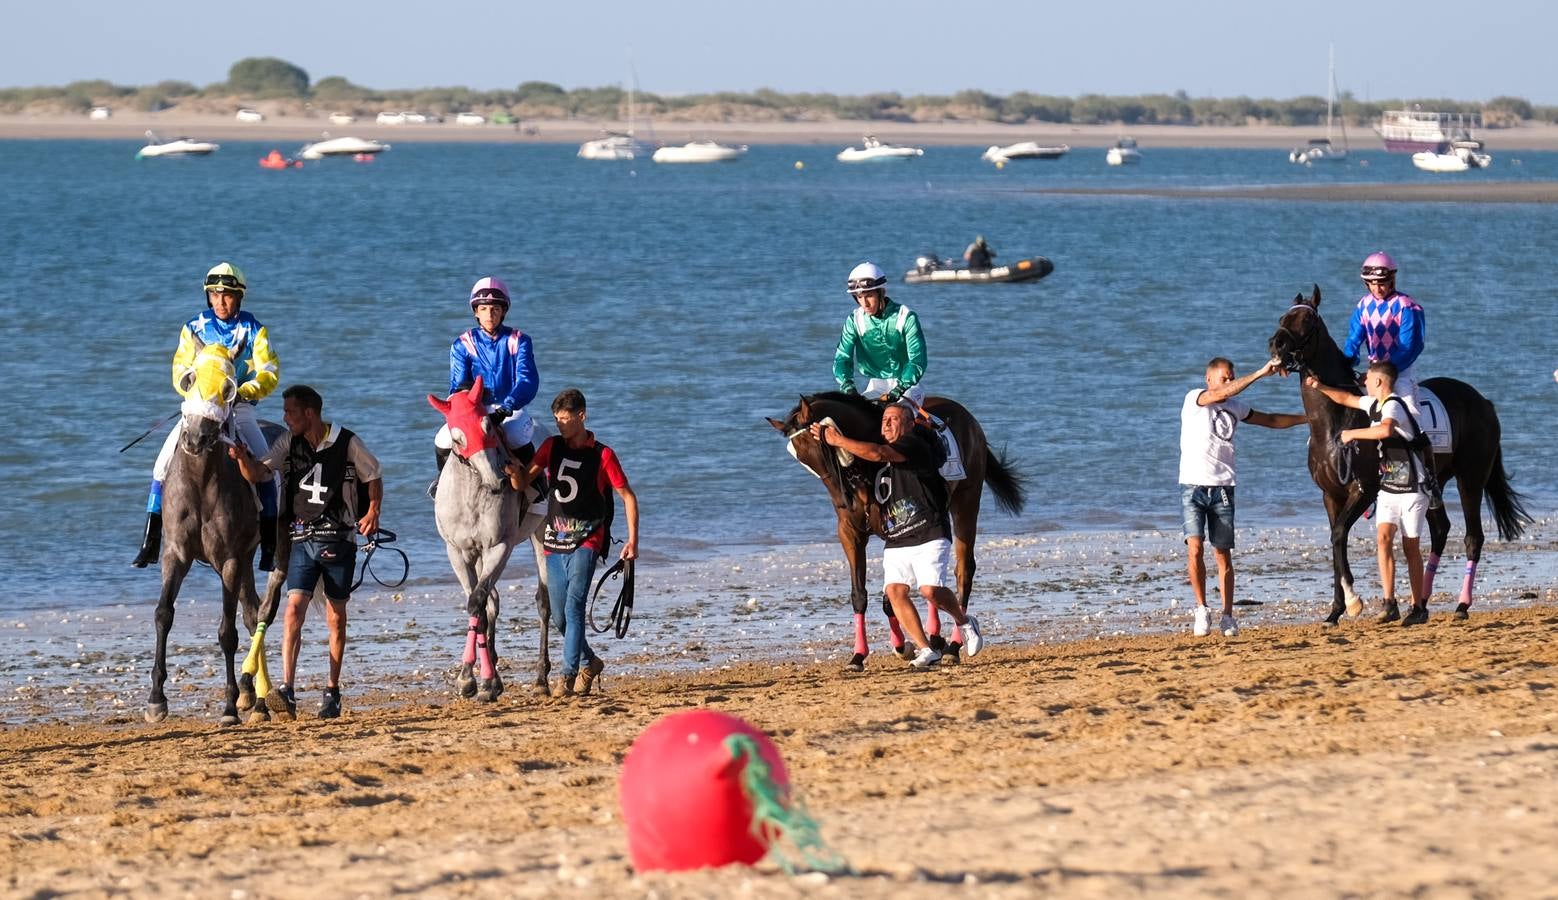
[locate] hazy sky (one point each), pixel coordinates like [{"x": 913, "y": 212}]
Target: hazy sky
[{"x": 1425, "y": 48}]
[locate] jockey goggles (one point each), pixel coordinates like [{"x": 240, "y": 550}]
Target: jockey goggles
[
  {"x": 861, "y": 285},
  {"x": 1377, "y": 273},
  {"x": 225, "y": 282}
]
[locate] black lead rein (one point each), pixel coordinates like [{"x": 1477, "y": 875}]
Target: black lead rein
[
  {"x": 622, "y": 610},
  {"x": 380, "y": 538}
]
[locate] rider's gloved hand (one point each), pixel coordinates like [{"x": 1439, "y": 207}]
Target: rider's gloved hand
[
  {"x": 497, "y": 416},
  {"x": 850, "y": 389},
  {"x": 892, "y": 396}
]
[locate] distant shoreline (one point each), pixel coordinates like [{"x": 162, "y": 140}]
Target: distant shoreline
[{"x": 130, "y": 126}]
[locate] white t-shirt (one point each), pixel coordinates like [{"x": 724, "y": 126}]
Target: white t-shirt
[
  {"x": 1396, "y": 410},
  {"x": 1206, "y": 440}
]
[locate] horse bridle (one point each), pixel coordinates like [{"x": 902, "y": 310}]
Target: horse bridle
[
  {"x": 1290, "y": 361},
  {"x": 847, "y": 477}
]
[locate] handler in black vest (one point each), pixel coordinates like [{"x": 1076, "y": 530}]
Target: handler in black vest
[
  {"x": 912, "y": 498},
  {"x": 323, "y": 468},
  {"x": 581, "y": 473}
]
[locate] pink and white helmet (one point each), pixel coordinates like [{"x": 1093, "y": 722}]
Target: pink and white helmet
[
  {"x": 490, "y": 290},
  {"x": 1378, "y": 267}
]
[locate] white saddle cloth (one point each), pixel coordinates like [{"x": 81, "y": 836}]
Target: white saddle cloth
[{"x": 1432, "y": 418}]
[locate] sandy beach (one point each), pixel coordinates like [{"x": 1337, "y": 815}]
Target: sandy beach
[
  {"x": 130, "y": 125},
  {"x": 1289, "y": 761}
]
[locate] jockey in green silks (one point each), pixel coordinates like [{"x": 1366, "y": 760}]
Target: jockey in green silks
[{"x": 881, "y": 340}]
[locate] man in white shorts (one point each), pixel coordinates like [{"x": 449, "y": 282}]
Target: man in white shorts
[
  {"x": 1403, "y": 483},
  {"x": 912, "y": 497}
]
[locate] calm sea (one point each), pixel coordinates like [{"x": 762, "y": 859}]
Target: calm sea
[{"x": 689, "y": 302}]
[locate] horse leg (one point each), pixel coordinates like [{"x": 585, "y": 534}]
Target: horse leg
[
  {"x": 494, "y": 686},
  {"x": 465, "y": 573},
  {"x": 255, "y": 680},
  {"x": 1471, "y": 505},
  {"x": 853, "y": 539},
  {"x": 483, "y": 605},
  {"x": 544, "y": 608},
  {"x": 173, "y": 572},
  {"x": 965, "y": 528},
  {"x": 227, "y": 634},
  {"x": 1343, "y": 514}
]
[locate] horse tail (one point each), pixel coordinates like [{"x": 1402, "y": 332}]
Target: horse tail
[
  {"x": 1005, "y": 482},
  {"x": 1508, "y": 506}
]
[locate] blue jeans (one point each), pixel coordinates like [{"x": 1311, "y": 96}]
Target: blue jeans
[
  {"x": 1208, "y": 512},
  {"x": 568, "y": 585}
]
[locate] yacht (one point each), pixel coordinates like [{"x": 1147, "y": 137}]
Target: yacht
[
  {"x": 699, "y": 152},
  {"x": 1025, "y": 150},
  {"x": 1456, "y": 156},
  {"x": 1324, "y": 149},
  {"x": 1123, "y": 152},
  {"x": 341, "y": 146},
  {"x": 179, "y": 146},
  {"x": 1415, "y": 131},
  {"x": 618, "y": 146},
  {"x": 873, "y": 150}
]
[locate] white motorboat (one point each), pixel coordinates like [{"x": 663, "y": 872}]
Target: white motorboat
[
  {"x": 179, "y": 146},
  {"x": 1123, "y": 152},
  {"x": 1457, "y": 156},
  {"x": 873, "y": 150},
  {"x": 341, "y": 146},
  {"x": 699, "y": 152},
  {"x": 614, "y": 146},
  {"x": 1324, "y": 149},
  {"x": 1025, "y": 150}
]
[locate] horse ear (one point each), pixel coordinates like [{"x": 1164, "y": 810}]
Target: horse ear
[
  {"x": 804, "y": 408},
  {"x": 1315, "y": 297},
  {"x": 439, "y": 404},
  {"x": 778, "y": 425},
  {"x": 475, "y": 391}
]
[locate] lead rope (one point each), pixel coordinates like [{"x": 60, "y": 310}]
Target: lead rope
[
  {"x": 622, "y": 610},
  {"x": 780, "y": 821},
  {"x": 380, "y": 538}
]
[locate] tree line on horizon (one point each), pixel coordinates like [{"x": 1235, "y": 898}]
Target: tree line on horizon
[{"x": 266, "y": 78}]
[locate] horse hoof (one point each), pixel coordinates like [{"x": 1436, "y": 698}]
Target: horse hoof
[
  {"x": 277, "y": 703},
  {"x": 230, "y": 719},
  {"x": 245, "y": 692},
  {"x": 468, "y": 688},
  {"x": 906, "y": 650},
  {"x": 857, "y": 663},
  {"x": 950, "y": 656},
  {"x": 1328, "y": 623},
  {"x": 1355, "y": 607},
  {"x": 156, "y": 712},
  {"x": 1462, "y": 612},
  {"x": 938, "y": 643},
  {"x": 259, "y": 714},
  {"x": 542, "y": 689}
]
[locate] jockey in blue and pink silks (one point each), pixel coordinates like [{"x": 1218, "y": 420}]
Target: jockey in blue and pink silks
[
  {"x": 1387, "y": 325},
  {"x": 506, "y": 362}
]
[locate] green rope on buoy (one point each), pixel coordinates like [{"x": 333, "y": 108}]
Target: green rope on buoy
[{"x": 779, "y": 820}]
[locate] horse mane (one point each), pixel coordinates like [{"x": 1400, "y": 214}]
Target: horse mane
[{"x": 857, "y": 417}]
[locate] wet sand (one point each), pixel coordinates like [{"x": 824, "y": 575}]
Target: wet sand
[
  {"x": 1288, "y": 761},
  {"x": 129, "y": 125},
  {"x": 1457, "y": 192}
]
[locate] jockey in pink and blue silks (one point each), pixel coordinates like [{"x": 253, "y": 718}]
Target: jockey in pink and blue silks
[{"x": 1387, "y": 325}]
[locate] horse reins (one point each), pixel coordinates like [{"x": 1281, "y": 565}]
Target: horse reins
[
  {"x": 622, "y": 610},
  {"x": 380, "y": 538}
]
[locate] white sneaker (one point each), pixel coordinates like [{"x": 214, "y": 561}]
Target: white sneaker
[
  {"x": 1229, "y": 626},
  {"x": 973, "y": 641},
  {"x": 926, "y": 658},
  {"x": 1203, "y": 622}
]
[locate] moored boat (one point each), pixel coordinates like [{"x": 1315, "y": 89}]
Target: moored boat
[
  {"x": 179, "y": 146},
  {"x": 1025, "y": 150},
  {"x": 274, "y": 160},
  {"x": 699, "y": 152},
  {"x": 873, "y": 150},
  {"x": 341, "y": 146},
  {"x": 1457, "y": 156},
  {"x": 1123, "y": 152},
  {"x": 1416, "y": 131},
  {"x": 928, "y": 270},
  {"x": 614, "y": 146}
]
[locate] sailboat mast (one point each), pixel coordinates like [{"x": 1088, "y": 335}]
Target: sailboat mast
[{"x": 1330, "y": 97}]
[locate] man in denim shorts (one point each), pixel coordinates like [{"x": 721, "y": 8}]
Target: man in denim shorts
[
  {"x": 1206, "y": 481},
  {"x": 322, "y": 467}
]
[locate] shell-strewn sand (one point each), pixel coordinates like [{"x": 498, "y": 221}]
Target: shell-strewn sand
[{"x": 1293, "y": 760}]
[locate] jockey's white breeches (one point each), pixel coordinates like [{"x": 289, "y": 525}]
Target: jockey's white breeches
[
  {"x": 876, "y": 387},
  {"x": 518, "y": 429}
]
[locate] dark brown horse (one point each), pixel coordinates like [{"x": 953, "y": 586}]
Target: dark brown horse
[
  {"x": 849, "y": 486},
  {"x": 1350, "y": 479}
]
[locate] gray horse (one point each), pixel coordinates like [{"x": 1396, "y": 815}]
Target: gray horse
[
  {"x": 481, "y": 521},
  {"x": 210, "y": 514}
]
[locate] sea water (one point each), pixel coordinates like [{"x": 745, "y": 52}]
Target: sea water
[{"x": 688, "y": 303}]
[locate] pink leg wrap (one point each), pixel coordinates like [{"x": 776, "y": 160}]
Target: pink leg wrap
[
  {"x": 897, "y": 632},
  {"x": 1430, "y": 569},
  {"x": 486, "y": 656},
  {"x": 470, "y": 644},
  {"x": 1471, "y": 578},
  {"x": 957, "y": 633},
  {"x": 860, "y": 634},
  {"x": 932, "y": 618}
]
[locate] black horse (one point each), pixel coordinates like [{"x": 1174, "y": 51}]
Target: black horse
[
  {"x": 849, "y": 486},
  {"x": 1475, "y": 460}
]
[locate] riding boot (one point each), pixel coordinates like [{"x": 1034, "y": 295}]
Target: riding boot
[
  {"x": 151, "y": 543},
  {"x": 1390, "y": 613},
  {"x": 267, "y": 543},
  {"x": 443, "y": 457}
]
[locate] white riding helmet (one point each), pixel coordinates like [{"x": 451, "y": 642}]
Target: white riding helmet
[{"x": 867, "y": 276}]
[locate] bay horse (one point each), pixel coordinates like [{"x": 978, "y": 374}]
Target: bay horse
[
  {"x": 1476, "y": 460},
  {"x": 210, "y": 513},
  {"x": 849, "y": 486},
  {"x": 481, "y": 520}
]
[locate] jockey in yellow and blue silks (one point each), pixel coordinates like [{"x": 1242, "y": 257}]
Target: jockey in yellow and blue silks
[
  {"x": 506, "y": 361},
  {"x": 248, "y": 344}
]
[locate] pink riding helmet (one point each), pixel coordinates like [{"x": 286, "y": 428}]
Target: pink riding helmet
[
  {"x": 489, "y": 290},
  {"x": 1378, "y": 267}
]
